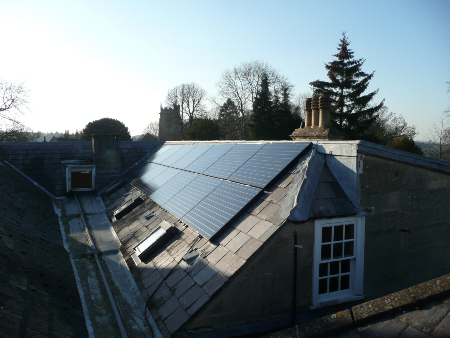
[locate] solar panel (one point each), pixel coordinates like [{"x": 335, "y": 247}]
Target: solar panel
[
  {"x": 166, "y": 154},
  {"x": 172, "y": 177},
  {"x": 172, "y": 187},
  {"x": 232, "y": 160},
  {"x": 158, "y": 181},
  {"x": 158, "y": 153},
  {"x": 191, "y": 195},
  {"x": 220, "y": 206},
  {"x": 180, "y": 152},
  {"x": 154, "y": 170},
  {"x": 208, "y": 158},
  {"x": 138, "y": 171},
  {"x": 268, "y": 163},
  {"x": 195, "y": 153}
]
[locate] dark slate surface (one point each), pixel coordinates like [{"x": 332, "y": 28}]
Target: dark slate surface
[
  {"x": 174, "y": 290},
  {"x": 38, "y": 293},
  {"x": 330, "y": 200},
  {"x": 42, "y": 160}
]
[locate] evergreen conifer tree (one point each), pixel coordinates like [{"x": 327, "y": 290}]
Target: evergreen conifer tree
[
  {"x": 262, "y": 122},
  {"x": 284, "y": 118},
  {"x": 352, "y": 112}
]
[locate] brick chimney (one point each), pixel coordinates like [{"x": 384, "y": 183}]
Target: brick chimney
[{"x": 317, "y": 121}]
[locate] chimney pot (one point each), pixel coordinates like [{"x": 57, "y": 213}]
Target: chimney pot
[
  {"x": 308, "y": 112},
  {"x": 315, "y": 111}
]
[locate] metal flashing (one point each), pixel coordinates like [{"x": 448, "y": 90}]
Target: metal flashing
[{"x": 297, "y": 202}]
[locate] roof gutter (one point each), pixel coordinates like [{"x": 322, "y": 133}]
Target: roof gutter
[{"x": 123, "y": 332}]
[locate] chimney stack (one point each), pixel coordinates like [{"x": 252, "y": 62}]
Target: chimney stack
[
  {"x": 325, "y": 107},
  {"x": 317, "y": 121}
]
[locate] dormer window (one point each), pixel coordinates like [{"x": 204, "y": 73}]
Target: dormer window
[
  {"x": 338, "y": 261},
  {"x": 80, "y": 177}
]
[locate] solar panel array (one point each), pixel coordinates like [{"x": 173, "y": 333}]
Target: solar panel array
[{"x": 207, "y": 185}]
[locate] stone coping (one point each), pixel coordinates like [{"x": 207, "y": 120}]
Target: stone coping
[{"x": 366, "y": 312}]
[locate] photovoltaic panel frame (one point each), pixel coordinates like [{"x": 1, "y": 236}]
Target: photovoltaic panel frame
[
  {"x": 232, "y": 160},
  {"x": 210, "y": 215},
  {"x": 267, "y": 163},
  {"x": 172, "y": 187},
  {"x": 191, "y": 195},
  {"x": 210, "y": 157}
]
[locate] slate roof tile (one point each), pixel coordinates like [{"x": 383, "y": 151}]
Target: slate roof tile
[
  {"x": 246, "y": 222},
  {"x": 195, "y": 268},
  {"x": 259, "y": 228},
  {"x": 190, "y": 296},
  {"x": 161, "y": 295},
  {"x": 237, "y": 242},
  {"x": 169, "y": 307},
  {"x": 226, "y": 235},
  {"x": 181, "y": 287},
  {"x": 175, "y": 277},
  {"x": 197, "y": 304},
  {"x": 225, "y": 263},
  {"x": 176, "y": 320},
  {"x": 249, "y": 248},
  {"x": 205, "y": 274},
  {"x": 268, "y": 233},
  {"x": 217, "y": 254},
  {"x": 214, "y": 284},
  {"x": 234, "y": 267}
]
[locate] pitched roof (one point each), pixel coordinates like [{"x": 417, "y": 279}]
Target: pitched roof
[
  {"x": 42, "y": 161},
  {"x": 38, "y": 293},
  {"x": 175, "y": 290}
]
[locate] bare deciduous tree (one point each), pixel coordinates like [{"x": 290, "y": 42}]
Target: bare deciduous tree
[
  {"x": 150, "y": 133},
  {"x": 191, "y": 99},
  {"x": 13, "y": 101},
  {"x": 389, "y": 126},
  {"x": 241, "y": 83},
  {"x": 438, "y": 139}
]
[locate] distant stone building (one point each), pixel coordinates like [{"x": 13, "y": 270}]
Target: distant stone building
[{"x": 169, "y": 124}]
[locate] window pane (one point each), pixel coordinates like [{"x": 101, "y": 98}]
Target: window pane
[
  {"x": 338, "y": 233},
  {"x": 345, "y": 266},
  {"x": 345, "y": 282},
  {"x": 348, "y": 251},
  {"x": 323, "y": 286},
  {"x": 349, "y": 231},
  {"x": 334, "y": 284},
  {"x": 323, "y": 269},
  {"x": 326, "y": 234},
  {"x": 337, "y": 250},
  {"x": 326, "y": 252},
  {"x": 334, "y": 268}
]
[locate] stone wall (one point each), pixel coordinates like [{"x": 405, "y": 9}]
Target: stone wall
[
  {"x": 264, "y": 288},
  {"x": 408, "y": 230}
]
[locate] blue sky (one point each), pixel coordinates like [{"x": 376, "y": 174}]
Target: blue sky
[{"x": 84, "y": 60}]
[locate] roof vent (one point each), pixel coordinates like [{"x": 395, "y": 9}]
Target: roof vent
[
  {"x": 160, "y": 236},
  {"x": 191, "y": 257}
]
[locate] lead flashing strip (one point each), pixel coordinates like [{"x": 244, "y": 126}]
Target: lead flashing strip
[{"x": 366, "y": 312}]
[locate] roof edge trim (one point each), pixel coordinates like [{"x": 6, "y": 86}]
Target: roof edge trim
[
  {"x": 303, "y": 186},
  {"x": 378, "y": 150}
]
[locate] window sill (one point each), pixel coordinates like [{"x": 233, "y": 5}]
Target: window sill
[{"x": 336, "y": 301}]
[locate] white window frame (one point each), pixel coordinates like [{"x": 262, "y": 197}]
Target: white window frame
[
  {"x": 74, "y": 168},
  {"x": 355, "y": 292}
]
